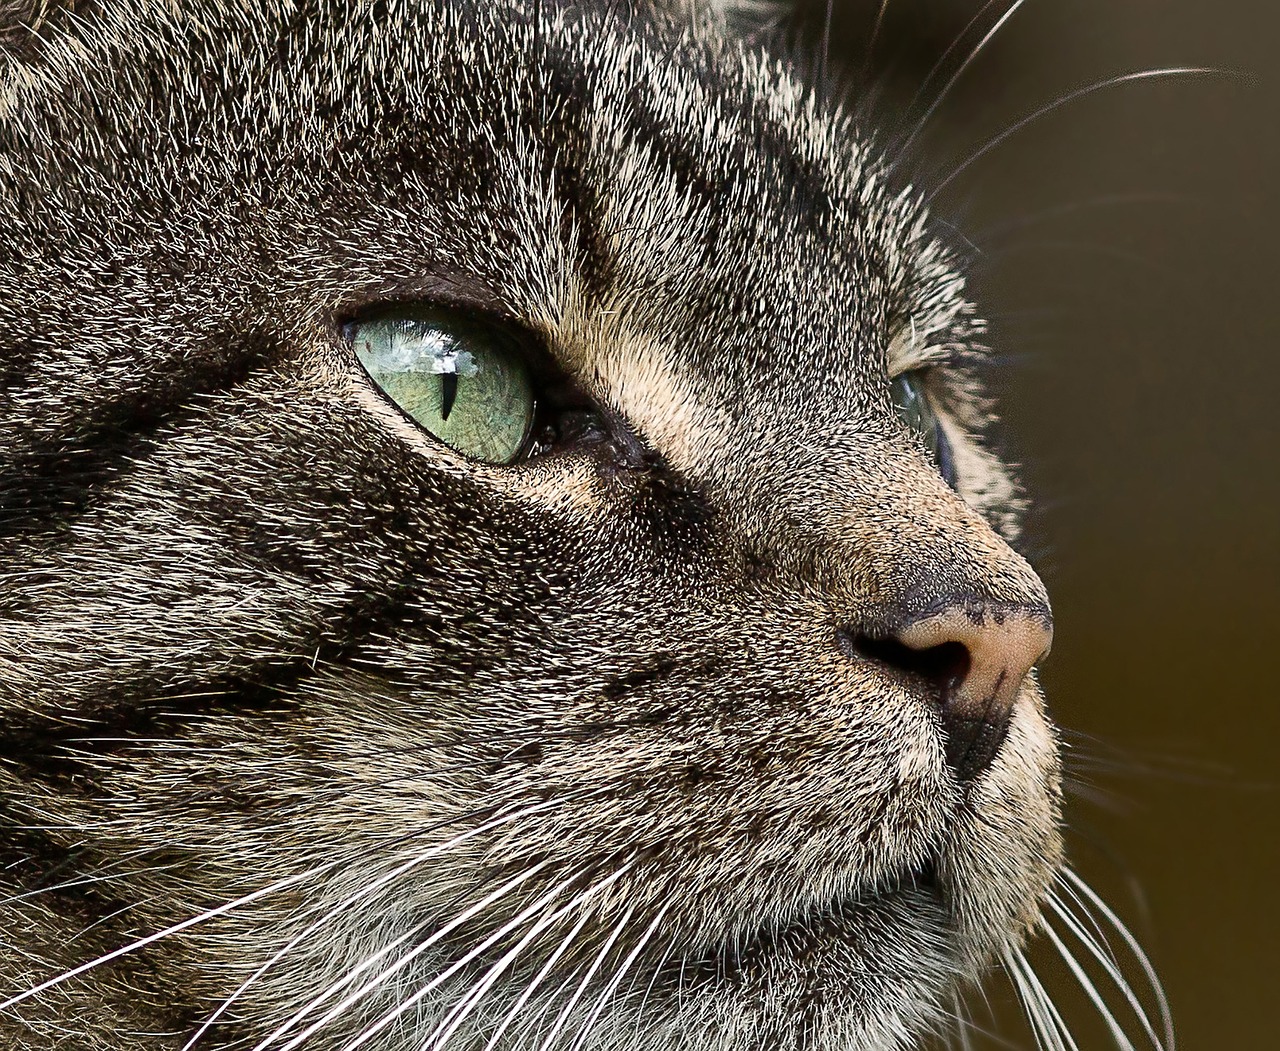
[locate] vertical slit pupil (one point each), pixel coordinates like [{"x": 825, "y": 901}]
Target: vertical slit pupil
[{"x": 448, "y": 394}]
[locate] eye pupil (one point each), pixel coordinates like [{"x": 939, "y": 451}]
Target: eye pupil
[{"x": 448, "y": 393}]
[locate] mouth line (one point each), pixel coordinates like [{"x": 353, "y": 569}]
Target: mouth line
[{"x": 839, "y": 919}]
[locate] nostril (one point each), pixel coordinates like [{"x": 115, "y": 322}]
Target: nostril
[
  {"x": 1003, "y": 644},
  {"x": 943, "y": 666},
  {"x": 974, "y": 707}
]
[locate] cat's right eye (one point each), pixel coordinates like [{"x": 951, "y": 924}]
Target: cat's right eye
[
  {"x": 911, "y": 399},
  {"x": 460, "y": 379}
]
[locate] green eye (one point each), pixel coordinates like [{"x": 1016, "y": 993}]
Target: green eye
[
  {"x": 912, "y": 402},
  {"x": 460, "y": 380}
]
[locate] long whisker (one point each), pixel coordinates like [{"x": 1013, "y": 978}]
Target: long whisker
[
  {"x": 612, "y": 987},
  {"x": 1139, "y": 954},
  {"x": 1080, "y": 915},
  {"x": 1062, "y": 1032},
  {"x": 177, "y": 928},
  {"x": 388, "y": 973},
  {"x": 540, "y": 1021},
  {"x": 87, "y": 881},
  {"x": 657, "y": 971},
  {"x": 870, "y": 52},
  {"x": 105, "y": 919},
  {"x": 1050, "y": 1031},
  {"x": 565, "y": 1011},
  {"x": 963, "y": 1025},
  {"x": 364, "y": 892},
  {"x": 1029, "y": 1005},
  {"x": 1043, "y": 111},
  {"x": 1100, "y": 949},
  {"x": 999, "y": 232},
  {"x": 955, "y": 77},
  {"x": 351, "y": 976},
  {"x": 408, "y": 1003},
  {"x": 1091, "y": 990},
  {"x": 418, "y": 995},
  {"x": 942, "y": 59},
  {"x": 445, "y": 1030},
  {"x": 453, "y": 1021},
  {"x": 538, "y": 979},
  {"x": 826, "y": 41}
]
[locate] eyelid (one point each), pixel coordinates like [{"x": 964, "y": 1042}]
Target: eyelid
[
  {"x": 444, "y": 288},
  {"x": 909, "y": 352},
  {"x": 923, "y": 359}
]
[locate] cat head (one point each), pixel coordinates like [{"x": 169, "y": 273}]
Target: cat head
[{"x": 495, "y": 520}]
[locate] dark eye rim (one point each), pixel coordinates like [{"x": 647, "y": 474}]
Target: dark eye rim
[
  {"x": 562, "y": 410},
  {"x": 946, "y": 458}
]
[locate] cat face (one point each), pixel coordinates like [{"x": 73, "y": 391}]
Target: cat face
[{"x": 700, "y": 723}]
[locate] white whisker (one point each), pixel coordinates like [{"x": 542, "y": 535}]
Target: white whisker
[
  {"x": 565, "y": 1011},
  {"x": 955, "y": 77},
  {"x": 1024, "y": 998},
  {"x": 1091, "y": 990},
  {"x": 453, "y": 969},
  {"x": 537, "y": 981},
  {"x": 1062, "y": 1033},
  {"x": 332, "y": 913},
  {"x": 942, "y": 59},
  {"x": 873, "y": 39},
  {"x": 1144, "y": 961},
  {"x": 354, "y": 974},
  {"x": 1045, "y": 1020},
  {"x": 1043, "y": 111},
  {"x": 657, "y": 971},
  {"x": 85, "y": 881},
  {"x": 177, "y": 928},
  {"x": 540, "y": 1021},
  {"x": 459, "y": 1014},
  {"x": 604, "y": 998},
  {"x": 390, "y": 972},
  {"x": 963, "y": 1024}
]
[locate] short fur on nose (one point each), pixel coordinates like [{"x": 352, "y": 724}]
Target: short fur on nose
[{"x": 1001, "y": 646}]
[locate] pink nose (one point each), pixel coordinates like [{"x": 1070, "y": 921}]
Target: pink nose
[{"x": 992, "y": 651}]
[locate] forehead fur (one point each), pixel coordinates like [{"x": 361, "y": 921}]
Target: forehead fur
[{"x": 585, "y": 159}]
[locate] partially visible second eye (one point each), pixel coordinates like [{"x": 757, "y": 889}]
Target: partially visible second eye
[
  {"x": 460, "y": 380},
  {"x": 911, "y": 398}
]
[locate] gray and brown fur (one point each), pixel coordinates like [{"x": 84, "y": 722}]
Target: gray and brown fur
[{"x": 253, "y": 623}]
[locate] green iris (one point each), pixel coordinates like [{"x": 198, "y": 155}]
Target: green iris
[{"x": 459, "y": 379}]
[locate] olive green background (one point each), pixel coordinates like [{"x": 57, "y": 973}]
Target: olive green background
[{"x": 1127, "y": 257}]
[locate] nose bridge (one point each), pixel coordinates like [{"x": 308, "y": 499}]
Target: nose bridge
[
  {"x": 941, "y": 555},
  {"x": 918, "y": 580},
  {"x": 896, "y": 544}
]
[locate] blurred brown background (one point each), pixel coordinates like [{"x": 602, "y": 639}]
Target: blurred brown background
[{"x": 1128, "y": 260}]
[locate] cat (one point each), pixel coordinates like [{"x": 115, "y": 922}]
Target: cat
[{"x": 499, "y": 546}]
